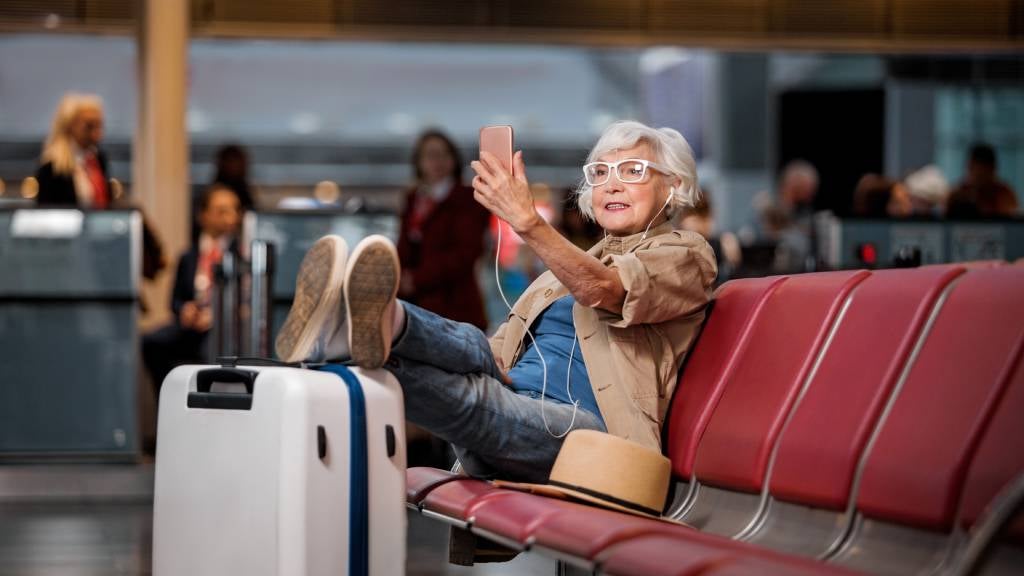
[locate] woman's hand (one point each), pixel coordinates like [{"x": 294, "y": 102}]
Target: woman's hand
[{"x": 507, "y": 197}]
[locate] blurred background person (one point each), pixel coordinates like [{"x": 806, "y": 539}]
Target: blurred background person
[
  {"x": 982, "y": 193},
  {"x": 877, "y": 196},
  {"x": 700, "y": 219},
  {"x": 928, "y": 190},
  {"x": 184, "y": 340},
  {"x": 74, "y": 168},
  {"x": 441, "y": 238},
  {"x": 233, "y": 172},
  {"x": 787, "y": 220},
  {"x": 578, "y": 229},
  {"x": 793, "y": 204},
  {"x": 74, "y": 172},
  {"x": 442, "y": 234}
]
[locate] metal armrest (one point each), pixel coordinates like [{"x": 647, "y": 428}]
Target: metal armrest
[{"x": 997, "y": 517}]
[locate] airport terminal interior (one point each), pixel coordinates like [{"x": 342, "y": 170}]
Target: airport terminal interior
[{"x": 750, "y": 301}]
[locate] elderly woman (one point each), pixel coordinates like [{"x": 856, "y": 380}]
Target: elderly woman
[{"x": 595, "y": 342}]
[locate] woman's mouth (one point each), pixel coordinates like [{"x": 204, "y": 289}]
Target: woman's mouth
[{"x": 613, "y": 206}]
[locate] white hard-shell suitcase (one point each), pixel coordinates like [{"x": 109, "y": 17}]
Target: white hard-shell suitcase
[{"x": 279, "y": 471}]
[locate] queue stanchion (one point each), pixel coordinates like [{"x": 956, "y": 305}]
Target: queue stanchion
[
  {"x": 224, "y": 301},
  {"x": 261, "y": 276}
]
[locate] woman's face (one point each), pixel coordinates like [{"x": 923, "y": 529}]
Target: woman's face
[
  {"x": 623, "y": 209},
  {"x": 435, "y": 161},
  {"x": 87, "y": 127}
]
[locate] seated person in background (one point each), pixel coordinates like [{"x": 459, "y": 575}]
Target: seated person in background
[
  {"x": 184, "y": 340},
  {"x": 610, "y": 326},
  {"x": 231, "y": 170},
  {"x": 74, "y": 169},
  {"x": 701, "y": 219},
  {"x": 928, "y": 190},
  {"x": 787, "y": 219},
  {"x": 879, "y": 197},
  {"x": 981, "y": 193}
]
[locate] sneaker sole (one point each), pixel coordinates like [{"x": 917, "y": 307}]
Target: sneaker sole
[
  {"x": 371, "y": 283},
  {"x": 317, "y": 296}
]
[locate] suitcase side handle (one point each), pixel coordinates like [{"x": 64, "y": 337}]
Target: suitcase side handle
[
  {"x": 204, "y": 398},
  {"x": 206, "y": 378}
]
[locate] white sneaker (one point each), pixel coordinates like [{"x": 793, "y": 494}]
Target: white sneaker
[
  {"x": 371, "y": 284},
  {"x": 313, "y": 327}
]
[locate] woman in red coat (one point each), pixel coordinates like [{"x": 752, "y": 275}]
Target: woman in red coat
[{"x": 442, "y": 235}]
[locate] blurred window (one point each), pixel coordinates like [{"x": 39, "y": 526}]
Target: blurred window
[{"x": 995, "y": 115}]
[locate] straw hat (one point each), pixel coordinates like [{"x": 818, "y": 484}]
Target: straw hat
[{"x": 608, "y": 471}]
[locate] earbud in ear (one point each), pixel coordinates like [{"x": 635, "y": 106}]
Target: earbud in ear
[{"x": 671, "y": 192}]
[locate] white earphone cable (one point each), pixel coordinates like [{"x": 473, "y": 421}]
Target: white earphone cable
[
  {"x": 543, "y": 362},
  {"x": 544, "y": 365}
]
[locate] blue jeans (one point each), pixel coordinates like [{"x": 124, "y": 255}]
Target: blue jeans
[{"x": 453, "y": 388}]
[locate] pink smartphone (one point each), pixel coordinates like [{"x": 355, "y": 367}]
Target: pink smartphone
[{"x": 498, "y": 141}]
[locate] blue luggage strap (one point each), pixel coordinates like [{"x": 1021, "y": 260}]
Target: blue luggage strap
[{"x": 359, "y": 485}]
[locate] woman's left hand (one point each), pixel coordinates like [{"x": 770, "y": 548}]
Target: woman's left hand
[{"x": 508, "y": 197}]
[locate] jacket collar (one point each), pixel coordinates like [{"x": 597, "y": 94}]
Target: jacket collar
[{"x": 619, "y": 245}]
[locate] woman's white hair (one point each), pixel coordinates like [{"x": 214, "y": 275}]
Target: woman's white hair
[
  {"x": 670, "y": 149},
  {"x": 59, "y": 148}
]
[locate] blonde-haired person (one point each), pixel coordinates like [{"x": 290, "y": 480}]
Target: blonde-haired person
[
  {"x": 74, "y": 169},
  {"x": 610, "y": 326}
]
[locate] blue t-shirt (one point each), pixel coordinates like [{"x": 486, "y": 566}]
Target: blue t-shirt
[{"x": 554, "y": 334}]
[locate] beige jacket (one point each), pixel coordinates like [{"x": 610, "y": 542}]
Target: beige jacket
[{"x": 632, "y": 359}]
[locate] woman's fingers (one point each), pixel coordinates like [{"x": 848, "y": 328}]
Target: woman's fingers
[
  {"x": 487, "y": 166},
  {"x": 494, "y": 188},
  {"x": 480, "y": 167},
  {"x": 519, "y": 166},
  {"x": 488, "y": 178},
  {"x": 493, "y": 164}
]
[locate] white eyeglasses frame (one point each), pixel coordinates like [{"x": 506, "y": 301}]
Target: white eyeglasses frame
[{"x": 614, "y": 167}]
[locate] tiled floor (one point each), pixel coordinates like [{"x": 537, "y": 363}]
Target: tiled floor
[{"x": 59, "y": 539}]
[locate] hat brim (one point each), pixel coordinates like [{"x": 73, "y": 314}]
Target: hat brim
[{"x": 568, "y": 493}]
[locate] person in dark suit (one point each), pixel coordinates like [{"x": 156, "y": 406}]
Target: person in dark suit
[
  {"x": 74, "y": 169},
  {"x": 183, "y": 341},
  {"x": 442, "y": 235}
]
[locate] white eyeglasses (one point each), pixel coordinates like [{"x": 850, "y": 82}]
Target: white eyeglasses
[{"x": 629, "y": 171}]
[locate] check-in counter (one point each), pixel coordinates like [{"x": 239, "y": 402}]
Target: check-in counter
[
  {"x": 68, "y": 336},
  {"x": 293, "y": 232},
  {"x": 855, "y": 242}
]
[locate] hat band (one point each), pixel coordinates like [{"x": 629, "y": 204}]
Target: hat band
[{"x": 606, "y": 497}]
